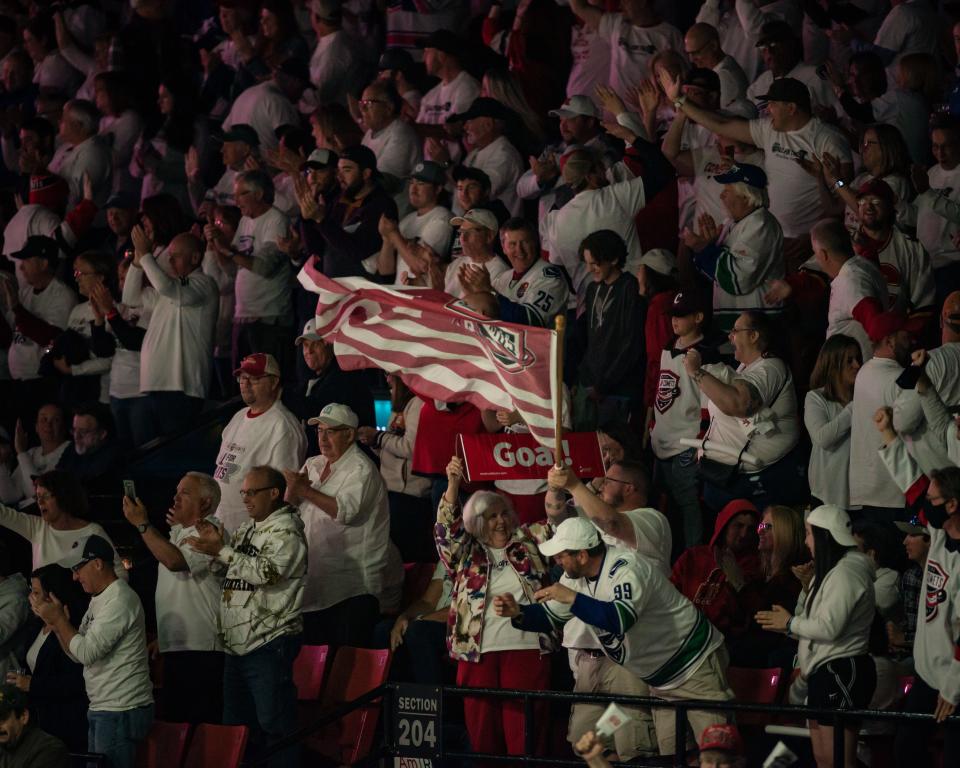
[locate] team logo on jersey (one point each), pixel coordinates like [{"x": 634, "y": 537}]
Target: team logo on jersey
[
  {"x": 936, "y": 583},
  {"x": 507, "y": 347},
  {"x": 668, "y": 390},
  {"x": 522, "y": 289},
  {"x": 613, "y": 645},
  {"x": 890, "y": 273}
]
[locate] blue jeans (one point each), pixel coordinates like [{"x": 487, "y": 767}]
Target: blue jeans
[
  {"x": 258, "y": 692},
  {"x": 116, "y": 734},
  {"x": 678, "y": 477},
  {"x": 783, "y": 482}
]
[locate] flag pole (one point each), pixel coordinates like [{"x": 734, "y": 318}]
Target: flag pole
[{"x": 560, "y": 324}]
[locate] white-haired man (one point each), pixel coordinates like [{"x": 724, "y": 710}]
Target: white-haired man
[
  {"x": 746, "y": 255},
  {"x": 343, "y": 503},
  {"x": 187, "y": 601}
]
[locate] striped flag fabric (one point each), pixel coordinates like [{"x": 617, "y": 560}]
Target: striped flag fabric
[{"x": 440, "y": 347}]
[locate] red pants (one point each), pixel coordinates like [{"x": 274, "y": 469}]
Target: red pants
[{"x": 495, "y": 725}]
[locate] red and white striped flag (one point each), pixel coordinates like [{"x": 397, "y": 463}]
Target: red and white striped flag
[{"x": 440, "y": 347}]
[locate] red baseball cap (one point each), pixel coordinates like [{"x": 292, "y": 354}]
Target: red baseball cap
[
  {"x": 258, "y": 364},
  {"x": 878, "y": 188},
  {"x": 722, "y": 737},
  {"x": 890, "y": 322}
]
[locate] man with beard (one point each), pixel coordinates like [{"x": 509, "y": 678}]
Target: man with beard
[
  {"x": 638, "y": 620},
  {"x": 349, "y": 225},
  {"x": 902, "y": 260},
  {"x": 872, "y": 490}
]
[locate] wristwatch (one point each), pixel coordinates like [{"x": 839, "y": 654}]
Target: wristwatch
[
  {"x": 680, "y": 102},
  {"x": 839, "y": 184},
  {"x": 142, "y": 528}
]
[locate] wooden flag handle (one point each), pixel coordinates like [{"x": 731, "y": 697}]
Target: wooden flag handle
[{"x": 560, "y": 325}]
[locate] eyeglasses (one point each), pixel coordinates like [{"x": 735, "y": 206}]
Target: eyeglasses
[
  {"x": 764, "y": 527},
  {"x": 246, "y": 493},
  {"x": 369, "y": 102},
  {"x": 246, "y": 378},
  {"x": 77, "y": 274},
  {"x": 735, "y": 330},
  {"x": 698, "y": 50},
  {"x": 325, "y": 431},
  {"x": 44, "y": 496},
  {"x": 615, "y": 480}
]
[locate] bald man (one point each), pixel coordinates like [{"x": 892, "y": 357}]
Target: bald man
[
  {"x": 177, "y": 351},
  {"x": 702, "y": 45}
]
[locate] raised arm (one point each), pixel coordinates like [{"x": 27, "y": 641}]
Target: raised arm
[{"x": 589, "y": 14}]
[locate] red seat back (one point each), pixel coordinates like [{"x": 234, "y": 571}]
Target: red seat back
[
  {"x": 756, "y": 686},
  {"x": 308, "y": 671},
  {"x": 219, "y": 745},
  {"x": 164, "y": 746},
  {"x": 355, "y": 671}
]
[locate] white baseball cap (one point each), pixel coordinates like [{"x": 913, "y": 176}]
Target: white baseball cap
[
  {"x": 479, "y": 216},
  {"x": 574, "y": 106},
  {"x": 659, "y": 260},
  {"x": 836, "y": 521},
  {"x": 309, "y": 332},
  {"x": 335, "y": 415},
  {"x": 574, "y": 533}
]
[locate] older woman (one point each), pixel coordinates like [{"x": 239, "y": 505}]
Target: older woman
[
  {"x": 487, "y": 553},
  {"x": 63, "y": 506},
  {"x": 750, "y": 444},
  {"x": 745, "y": 256}
]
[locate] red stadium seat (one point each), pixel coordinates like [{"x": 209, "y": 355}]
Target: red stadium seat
[
  {"x": 754, "y": 686},
  {"x": 308, "y": 671},
  {"x": 219, "y": 745},
  {"x": 164, "y": 746},
  {"x": 355, "y": 671}
]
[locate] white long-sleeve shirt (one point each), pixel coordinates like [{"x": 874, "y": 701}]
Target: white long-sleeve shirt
[
  {"x": 828, "y": 424},
  {"x": 111, "y": 643},
  {"x": 178, "y": 347}
]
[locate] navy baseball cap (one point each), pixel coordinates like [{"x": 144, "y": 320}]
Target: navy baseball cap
[
  {"x": 93, "y": 547},
  {"x": 748, "y": 174},
  {"x": 40, "y": 247},
  {"x": 242, "y": 132}
]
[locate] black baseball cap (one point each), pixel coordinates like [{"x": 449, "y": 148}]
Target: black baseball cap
[
  {"x": 39, "y": 247},
  {"x": 361, "y": 155},
  {"x": 790, "y": 90},
  {"x": 93, "y": 547},
  {"x": 443, "y": 40},
  {"x": 395, "y": 58},
  {"x": 685, "y": 303},
  {"x": 483, "y": 106},
  {"x": 242, "y": 132},
  {"x": 296, "y": 68}
]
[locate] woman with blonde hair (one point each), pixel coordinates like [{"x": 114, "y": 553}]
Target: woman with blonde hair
[
  {"x": 498, "y": 83},
  {"x": 827, "y": 415}
]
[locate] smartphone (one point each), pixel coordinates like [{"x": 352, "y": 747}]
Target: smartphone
[
  {"x": 908, "y": 379},
  {"x": 129, "y": 489}
]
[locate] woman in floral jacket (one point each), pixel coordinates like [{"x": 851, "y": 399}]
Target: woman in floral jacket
[{"x": 488, "y": 553}]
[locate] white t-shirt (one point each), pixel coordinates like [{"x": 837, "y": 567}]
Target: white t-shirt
[
  {"x": 591, "y": 61},
  {"x": 264, "y": 108},
  {"x": 933, "y": 231},
  {"x": 81, "y": 317},
  {"x": 652, "y": 531},
  {"x": 431, "y": 228},
  {"x": 632, "y": 47},
  {"x": 907, "y": 111},
  {"x": 274, "y": 437},
  {"x": 794, "y": 193},
  {"x": 346, "y": 555},
  {"x": 499, "y": 634},
  {"x": 733, "y": 82},
  {"x": 48, "y": 544},
  {"x": 266, "y": 291},
  {"x": 332, "y": 67},
  {"x": 91, "y": 156},
  {"x": 773, "y": 430},
  {"x": 178, "y": 348},
  {"x": 397, "y": 148},
  {"x": 188, "y": 602},
  {"x": 858, "y": 279},
  {"x": 501, "y": 161},
  {"x": 52, "y": 305},
  {"x": 446, "y": 99},
  {"x": 906, "y": 267},
  {"x": 30, "y": 219},
  {"x": 821, "y": 95}
]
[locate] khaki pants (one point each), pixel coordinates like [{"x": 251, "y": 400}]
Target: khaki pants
[
  {"x": 708, "y": 683},
  {"x": 601, "y": 675}
]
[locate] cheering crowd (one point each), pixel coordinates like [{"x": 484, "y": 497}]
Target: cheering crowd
[{"x": 748, "y": 214}]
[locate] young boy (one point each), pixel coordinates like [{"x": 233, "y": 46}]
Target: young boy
[{"x": 678, "y": 413}]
